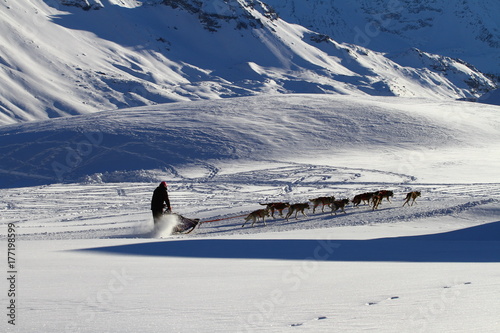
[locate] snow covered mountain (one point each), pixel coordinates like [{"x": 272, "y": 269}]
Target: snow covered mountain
[
  {"x": 69, "y": 57},
  {"x": 467, "y": 30}
]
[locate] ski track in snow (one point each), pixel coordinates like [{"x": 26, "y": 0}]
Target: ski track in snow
[{"x": 115, "y": 210}]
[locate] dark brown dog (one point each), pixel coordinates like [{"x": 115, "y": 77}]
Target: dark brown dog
[
  {"x": 339, "y": 204},
  {"x": 276, "y": 206},
  {"x": 385, "y": 194},
  {"x": 365, "y": 197}
]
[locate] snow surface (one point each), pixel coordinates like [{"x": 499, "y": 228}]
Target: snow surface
[{"x": 88, "y": 261}]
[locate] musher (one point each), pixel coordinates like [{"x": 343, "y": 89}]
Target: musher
[{"x": 160, "y": 201}]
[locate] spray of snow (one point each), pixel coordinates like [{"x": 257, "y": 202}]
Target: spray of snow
[{"x": 165, "y": 226}]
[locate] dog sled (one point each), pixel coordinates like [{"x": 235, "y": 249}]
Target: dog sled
[{"x": 185, "y": 225}]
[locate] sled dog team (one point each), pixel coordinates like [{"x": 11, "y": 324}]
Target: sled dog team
[{"x": 370, "y": 198}]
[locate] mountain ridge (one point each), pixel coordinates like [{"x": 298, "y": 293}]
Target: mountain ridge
[
  {"x": 74, "y": 57},
  {"x": 462, "y": 29}
]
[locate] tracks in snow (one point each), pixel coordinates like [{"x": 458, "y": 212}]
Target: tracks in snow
[{"x": 122, "y": 209}]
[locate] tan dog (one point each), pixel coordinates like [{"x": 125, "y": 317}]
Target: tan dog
[
  {"x": 300, "y": 207},
  {"x": 411, "y": 196},
  {"x": 276, "y": 206},
  {"x": 325, "y": 201},
  {"x": 255, "y": 215},
  {"x": 376, "y": 200},
  {"x": 339, "y": 204},
  {"x": 365, "y": 197}
]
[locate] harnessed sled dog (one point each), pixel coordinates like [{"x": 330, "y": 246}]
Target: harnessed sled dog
[
  {"x": 299, "y": 207},
  {"x": 324, "y": 201},
  {"x": 255, "y": 215},
  {"x": 376, "y": 200},
  {"x": 339, "y": 204},
  {"x": 411, "y": 196},
  {"x": 365, "y": 197},
  {"x": 276, "y": 206},
  {"x": 385, "y": 194},
  {"x": 379, "y": 196}
]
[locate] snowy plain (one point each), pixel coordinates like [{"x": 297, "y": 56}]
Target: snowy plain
[{"x": 88, "y": 262}]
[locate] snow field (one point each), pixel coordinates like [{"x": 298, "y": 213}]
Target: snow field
[{"x": 87, "y": 260}]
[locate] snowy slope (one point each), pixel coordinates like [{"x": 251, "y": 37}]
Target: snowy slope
[
  {"x": 492, "y": 97},
  {"x": 73, "y": 57},
  {"x": 168, "y": 136},
  {"x": 467, "y": 30}
]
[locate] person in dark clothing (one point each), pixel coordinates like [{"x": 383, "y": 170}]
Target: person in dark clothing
[{"x": 159, "y": 201}]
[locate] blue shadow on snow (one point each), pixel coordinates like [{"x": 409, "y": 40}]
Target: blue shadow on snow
[{"x": 475, "y": 244}]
